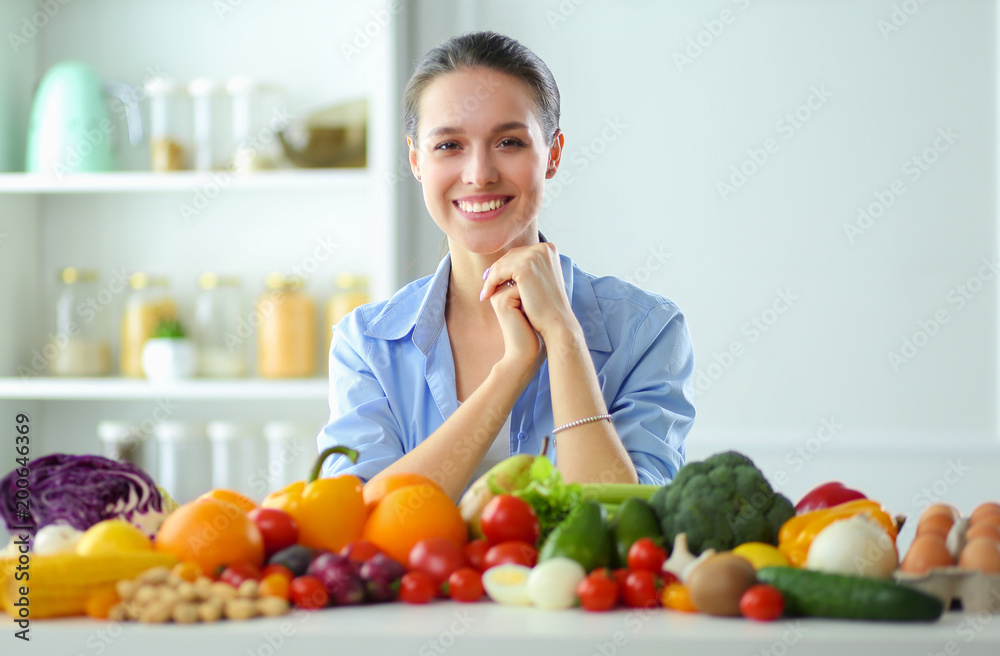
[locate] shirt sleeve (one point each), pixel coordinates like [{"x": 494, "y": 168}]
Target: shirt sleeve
[
  {"x": 360, "y": 416},
  {"x": 654, "y": 410}
]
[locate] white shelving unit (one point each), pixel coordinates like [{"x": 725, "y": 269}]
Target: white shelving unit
[{"x": 131, "y": 220}]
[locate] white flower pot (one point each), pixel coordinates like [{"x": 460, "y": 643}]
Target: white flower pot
[{"x": 169, "y": 359}]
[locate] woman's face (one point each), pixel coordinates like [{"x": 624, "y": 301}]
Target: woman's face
[{"x": 482, "y": 159}]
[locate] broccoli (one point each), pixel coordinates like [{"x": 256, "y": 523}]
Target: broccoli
[{"x": 721, "y": 502}]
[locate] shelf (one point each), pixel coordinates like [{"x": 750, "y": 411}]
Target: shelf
[
  {"x": 118, "y": 389},
  {"x": 145, "y": 181}
]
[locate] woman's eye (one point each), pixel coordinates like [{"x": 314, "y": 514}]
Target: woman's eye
[
  {"x": 446, "y": 145},
  {"x": 511, "y": 141}
]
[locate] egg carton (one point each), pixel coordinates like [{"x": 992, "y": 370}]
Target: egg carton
[{"x": 974, "y": 591}]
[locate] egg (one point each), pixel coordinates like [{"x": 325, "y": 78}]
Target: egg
[
  {"x": 983, "y": 530},
  {"x": 926, "y": 552},
  {"x": 981, "y": 555},
  {"x": 940, "y": 509},
  {"x": 508, "y": 584},
  {"x": 939, "y": 524},
  {"x": 989, "y": 509}
]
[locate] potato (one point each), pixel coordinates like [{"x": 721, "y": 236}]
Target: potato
[{"x": 717, "y": 584}]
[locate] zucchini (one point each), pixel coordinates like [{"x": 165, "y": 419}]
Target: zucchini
[{"x": 818, "y": 594}]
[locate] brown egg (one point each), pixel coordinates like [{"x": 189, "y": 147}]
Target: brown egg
[
  {"x": 988, "y": 509},
  {"x": 983, "y": 530},
  {"x": 940, "y": 509},
  {"x": 981, "y": 555},
  {"x": 926, "y": 552},
  {"x": 939, "y": 524}
]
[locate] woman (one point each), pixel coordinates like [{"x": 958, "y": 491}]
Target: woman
[{"x": 508, "y": 341}]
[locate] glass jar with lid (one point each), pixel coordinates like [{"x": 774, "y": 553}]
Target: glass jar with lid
[
  {"x": 218, "y": 311},
  {"x": 349, "y": 291},
  {"x": 286, "y": 334},
  {"x": 149, "y": 303},
  {"x": 81, "y": 343},
  {"x": 211, "y": 138},
  {"x": 169, "y": 124}
]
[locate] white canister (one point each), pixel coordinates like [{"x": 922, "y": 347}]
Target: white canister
[
  {"x": 237, "y": 458},
  {"x": 122, "y": 441},
  {"x": 291, "y": 452},
  {"x": 185, "y": 459}
]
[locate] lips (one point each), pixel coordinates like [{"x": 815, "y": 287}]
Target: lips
[{"x": 482, "y": 205}]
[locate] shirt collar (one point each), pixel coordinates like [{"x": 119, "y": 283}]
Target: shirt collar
[{"x": 420, "y": 307}]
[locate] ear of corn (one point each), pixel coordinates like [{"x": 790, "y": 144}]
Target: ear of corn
[{"x": 59, "y": 584}]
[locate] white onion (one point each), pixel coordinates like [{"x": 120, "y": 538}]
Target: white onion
[{"x": 856, "y": 546}]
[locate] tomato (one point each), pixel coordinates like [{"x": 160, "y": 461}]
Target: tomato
[
  {"x": 436, "y": 557},
  {"x": 677, "y": 597},
  {"x": 308, "y": 592},
  {"x": 475, "y": 553},
  {"x": 641, "y": 589},
  {"x": 645, "y": 554},
  {"x": 506, "y": 517},
  {"x": 515, "y": 551},
  {"x": 620, "y": 575},
  {"x": 599, "y": 591},
  {"x": 359, "y": 551},
  {"x": 416, "y": 588},
  {"x": 668, "y": 578},
  {"x": 276, "y": 568},
  {"x": 234, "y": 575},
  {"x": 277, "y": 527},
  {"x": 762, "y": 602},
  {"x": 465, "y": 584}
]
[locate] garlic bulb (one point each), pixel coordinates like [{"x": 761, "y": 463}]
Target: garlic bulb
[
  {"x": 681, "y": 562},
  {"x": 856, "y": 546}
]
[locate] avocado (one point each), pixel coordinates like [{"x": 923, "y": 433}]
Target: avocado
[
  {"x": 635, "y": 519},
  {"x": 582, "y": 536}
]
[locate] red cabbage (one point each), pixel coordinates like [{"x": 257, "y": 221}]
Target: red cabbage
[{"x": 81, "y": 490}]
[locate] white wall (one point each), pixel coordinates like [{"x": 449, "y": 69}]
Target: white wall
[{"x": 644, "y": 202}]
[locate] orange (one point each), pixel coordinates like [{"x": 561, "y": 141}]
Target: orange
[
  {"x": 212, "y": 533},
  {"x": 407, "y": 515},
  {"x": 374, "y": 491},
  {"x": 274, "y": 585},
  {"x": 241, "y": 501}
]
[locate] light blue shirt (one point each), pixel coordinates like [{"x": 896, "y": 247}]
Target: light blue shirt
[{"x": 392, "y": 375}]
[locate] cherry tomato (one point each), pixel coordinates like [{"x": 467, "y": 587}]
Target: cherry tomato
[
  {"x": 278, "y": 528},
  {"x": 417, "y": 588},
  {"x": 308, "y": 592},
  {"x": 620, "y": 575},
  {"x": 598, "y": 591},
  {"x": 436, "y": 557},
  {"x": 507, "y": 518},
  {"x": 359, "y": 551},
  {"x": 234, "y": 575},
  {"x": 668, "y": 578},
  {"x": 515, "y": 551},
  {"x": 645, "y": 554},
  {"x": 762, "y": 602},
  {"x": 465, "y": 584},
  {"x": 274, "y": 585},
  {"x": 276, "y": 568},
  {"x": 677, "y": 597},
  {"x": 641, "y": 589},
  {"x": 475, "y": 553}
]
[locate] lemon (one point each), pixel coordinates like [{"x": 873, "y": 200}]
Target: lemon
[
  {"x": 761, "y": 555},
  {"x": 112, "y": 536}
]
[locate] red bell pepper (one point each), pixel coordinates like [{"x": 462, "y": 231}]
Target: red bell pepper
[{"x": 825, "y": 496}]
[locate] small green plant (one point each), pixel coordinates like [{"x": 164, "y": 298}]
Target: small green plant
[{"x": 169, "y": 329}]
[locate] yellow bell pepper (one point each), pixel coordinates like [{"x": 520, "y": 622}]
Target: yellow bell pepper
[
  {"x": 797, "y": 533},
  {"x": 330, "y": 512}
]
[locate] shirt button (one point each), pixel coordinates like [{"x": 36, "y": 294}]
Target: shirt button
[{"x": 521, "y": 436}]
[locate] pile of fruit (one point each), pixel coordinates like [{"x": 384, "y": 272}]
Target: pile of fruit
[{"x": 716, "y": 540}]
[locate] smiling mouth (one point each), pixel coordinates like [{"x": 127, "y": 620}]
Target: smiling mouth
[{"x": 486, "y": 206}]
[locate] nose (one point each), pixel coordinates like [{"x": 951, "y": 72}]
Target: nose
[{"x": 480, "y": 170}]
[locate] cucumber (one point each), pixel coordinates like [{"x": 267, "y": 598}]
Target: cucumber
[{"x": 817, "y": 594}]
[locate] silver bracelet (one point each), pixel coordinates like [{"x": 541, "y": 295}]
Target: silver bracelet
[{"x": 580, "y": 422}]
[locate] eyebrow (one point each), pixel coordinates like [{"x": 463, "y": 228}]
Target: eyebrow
[{"x": 503, "y": 127}]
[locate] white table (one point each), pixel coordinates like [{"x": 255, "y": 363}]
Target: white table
[{"x": 485, "y": 629}]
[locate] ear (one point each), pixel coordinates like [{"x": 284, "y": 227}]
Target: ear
[
  {"x": 555, "y": 154},
  {"x": 414, "y": 160}
]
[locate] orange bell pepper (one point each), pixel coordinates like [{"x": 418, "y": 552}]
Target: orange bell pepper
[
  {"x": 796, "y": 535},
  {"x": 330, "y": 512}
]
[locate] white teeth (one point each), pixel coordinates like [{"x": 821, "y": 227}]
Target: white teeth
[{"x": 481, "y": 207}]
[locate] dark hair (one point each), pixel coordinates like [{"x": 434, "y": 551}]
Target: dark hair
[{"x": 489, "y": 50}]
